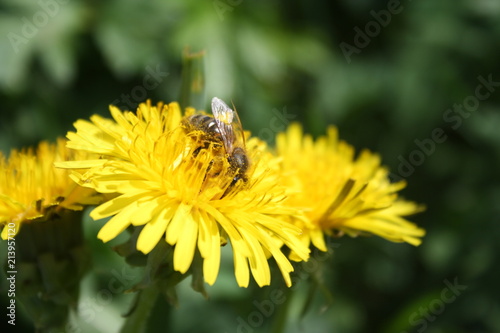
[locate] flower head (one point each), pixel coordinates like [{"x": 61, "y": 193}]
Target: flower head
[
  {"x": 40, "y": 213},
  {"x": 180, "y": 187},
  {"x": 30, "y": 185},
  {"x": 340, "y": 193}
]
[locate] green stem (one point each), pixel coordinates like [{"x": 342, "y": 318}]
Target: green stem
[
  {"x": 137, "y": 321},
  {"x": 279, "y": 322},
  {"x": 193, "y": 80}
]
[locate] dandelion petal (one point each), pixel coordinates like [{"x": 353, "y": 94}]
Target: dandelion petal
[
  {"x": 152, "y": 233},
  {"x": 186, "y": 244}
]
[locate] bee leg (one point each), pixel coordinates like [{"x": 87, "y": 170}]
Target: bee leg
[{"x": 196, "y": 151}]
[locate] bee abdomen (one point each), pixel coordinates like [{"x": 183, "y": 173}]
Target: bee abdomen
[{"x": 203, "y": 123}]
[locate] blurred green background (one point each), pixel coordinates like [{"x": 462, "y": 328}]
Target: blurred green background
[{"x": 402, "y": 79}]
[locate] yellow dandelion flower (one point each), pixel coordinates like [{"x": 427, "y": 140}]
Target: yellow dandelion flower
[
  {"x": 178, "y": 186},
  {"x": 340, "y": 193},
  {"x": 40, "y": 217},
  {"x": 30, "y": 185}
]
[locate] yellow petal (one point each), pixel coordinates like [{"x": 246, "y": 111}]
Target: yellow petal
[
  {"x": 147, "y": 210},
  {"x": 186, "y": 244},
  {"x": 152, "y": 232},
  {"x": 117, "y": 224},
  {"x": 284, "y": 265},
  {"x": 80, "y": 164},
  {"x": 241, "y": 270},
  {"x": 318, "y": 239},
  {"x": 175, "y": 226},
  {"x": 258, "y": 261},
  {"x": 209, "y": 246},
  {"x": 115, "y": 205}
]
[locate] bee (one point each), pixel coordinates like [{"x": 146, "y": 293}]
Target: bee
[{"x": 225, "y": 133}]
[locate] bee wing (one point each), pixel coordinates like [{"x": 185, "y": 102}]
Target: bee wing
[
  {"x": 238, "y": 130},
  {"x": 229, "y": 125}
]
